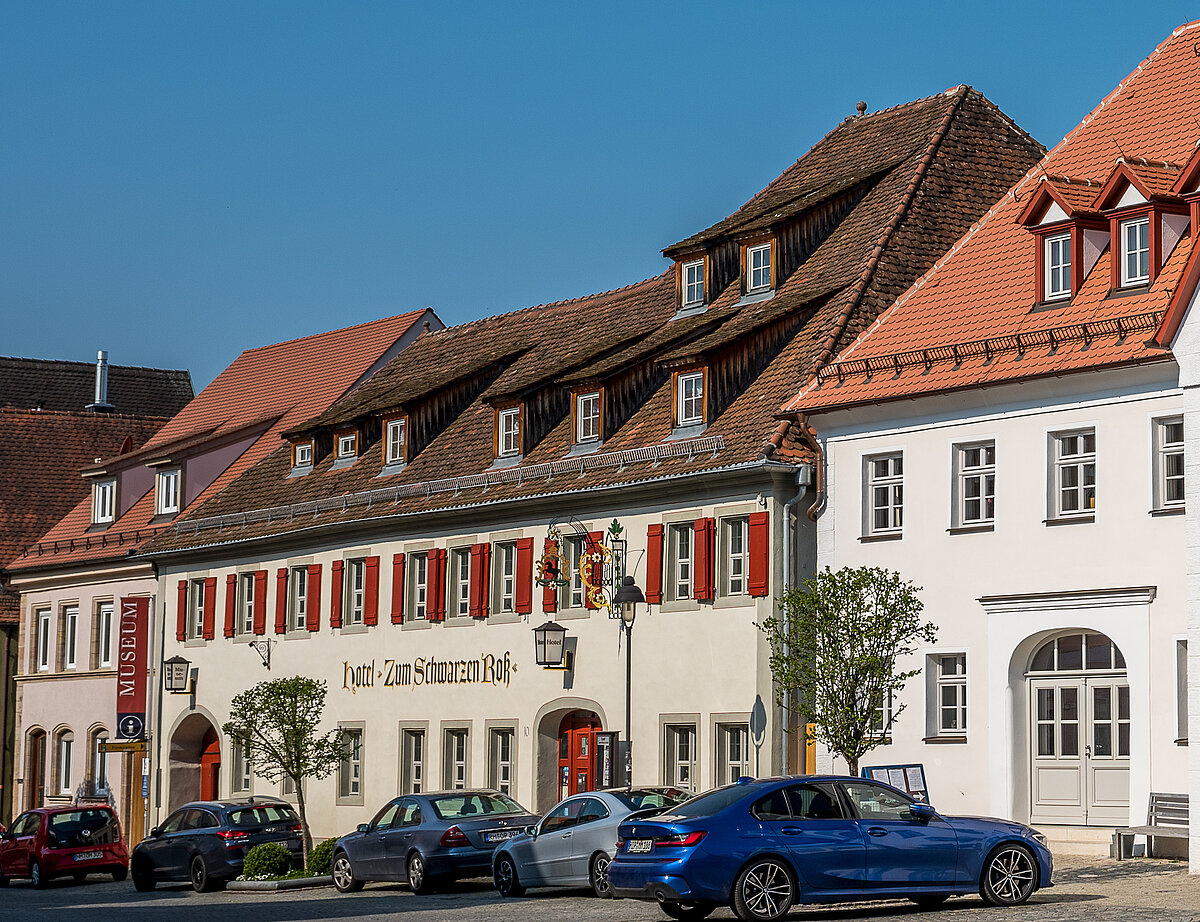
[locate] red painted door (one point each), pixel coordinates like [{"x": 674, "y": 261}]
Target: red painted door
[
  {"x": 577, "y": 753},
  {"x": 210, "y": 767}
]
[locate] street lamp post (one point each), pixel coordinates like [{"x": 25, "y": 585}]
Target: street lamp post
[{"x": 627, "y": 598}]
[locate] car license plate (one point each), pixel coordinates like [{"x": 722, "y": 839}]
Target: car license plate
[
  {"x": 639, "y": 846},
  {"x": 87, "y": 856},
  {"x": 501, "y": 835}
]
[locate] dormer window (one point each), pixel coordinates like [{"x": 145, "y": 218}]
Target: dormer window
[
  {"x": 347, "y": 446},
  {"x": 167, "y": 492},
  {"x": 508, "y": 433},
  {"x": 758, "y": 268},
  {"x": 587, "y": 417},
  {"x": 689, "y": 399},
  {"x": 693, "y": 283},
  {"x": 104, "y": 501},
  {"x": 302, "y": 454},
  {"x": 1135, "y": 251},
  {"x": 397, "y": 441},
  {"x": 1058, "y": 267}
]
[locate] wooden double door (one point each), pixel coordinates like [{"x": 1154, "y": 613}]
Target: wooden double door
[{"x": 577, "y": 753}]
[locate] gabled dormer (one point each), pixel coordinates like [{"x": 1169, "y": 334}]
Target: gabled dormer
[
  {"x": 1146, "y": 220},
  {"x": 1069, "y": 236}
]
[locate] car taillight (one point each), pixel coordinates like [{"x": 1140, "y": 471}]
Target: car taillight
[
  {"x": 233, "y": 837},
  {"x": 455, "y": 836},
  {"x": 620, "y": 842},
  {"x": 683, "y": 840},
  {"x": 296, "y": 827}
]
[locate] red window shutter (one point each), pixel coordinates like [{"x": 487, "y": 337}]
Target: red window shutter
[
  {"x": 260, "y": 602},
  {"x": 281, "y": 600},
  {"x": 435, "y": 590},
  {"x": 654, "y": 564},
  {"x": 397, "y": 589},
  {"x": 485, "y": 583},
  {"x": 480, "y": 573},
  {"x": 181, "y": 612},
  {"x": 593, "y": 541},
  {"x": 524, "y": 591},
  {"x": 230, "y": 604},
  {"x": 210, "y": 607},
  {"x": 312, "y": 611},
  {"x": 336, "y": 585},
  {"x": 759, "y": 559},
  {"x": 702, "y": 554},
  {"x": 371, "y": 592},
  {"x": 550, "y": 592}
]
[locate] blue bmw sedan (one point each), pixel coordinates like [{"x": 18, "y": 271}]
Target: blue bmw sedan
[{"x": 763, "y": 846}]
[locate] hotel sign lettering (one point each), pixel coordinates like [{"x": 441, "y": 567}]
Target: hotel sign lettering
[{"x": 489, "y": 669}]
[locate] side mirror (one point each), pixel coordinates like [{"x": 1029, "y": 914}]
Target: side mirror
[
  {"x": 7, "y": 836},
  {"x": 154, "y": 832},
  {"x": 364, "y": 827},
  {"x": 531, "y": 831},
  {"x": 923, "y": 812}
]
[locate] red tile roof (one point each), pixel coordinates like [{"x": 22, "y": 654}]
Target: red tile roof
[{"x": 983, "y": 291}]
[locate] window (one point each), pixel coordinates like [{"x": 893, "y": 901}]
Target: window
[
  {"x": 881, "y": 720},
  {"x": 1058, "y": 267},
  {"x": 976, "y": 483},
  {"x": 43, "y": 639},
  {"x": 356, "y": 582},
  {"x": 680, "y": 747},
  {"x": 167, "y": 491},
  {"x": 195, "y": 625},
  {"x": 397, "y": 441},
  {"x": 70, "y": 636},
  {"x": 347, "y": 445},
  {"x": 587, "y": 417},
  {"x": 1168, "y": 441},
  {"x": 875, "y": 802},
  {"x": 1135, "y": 251},
  {"x": 287, "y": 786},
  {"x": 98, "y": 767},
  {"x": 419, "y": 586},
  {"x": 733, "y": 752},
  {"x": 350, "y": 768},
  {"x": 506, "y": 577},
  {"x": 689, "y": 399},
  {"x": 299, "y": 599},
  {"x": 950, "y": 694},
  {"x": 500, "y": 760},
  {"x": 885, "y": 493},
  {"x": 455, "y": 748},
  {"x": 104, "y": 496},
  {"x": 412, "y": 764},
  {"x": 680, "y": 562},
  {"x": 104, "y": 634},
  {"x": 241, "y": 766},
  {"x": 735, "y": 537},
  {"x": 66, "y": 753},
  {"x": 1181, "y": 691},
  {"x": 302, "y": 454},
  {"x": 693, "y": 283},
  {"x": 245, "y": 623},
  {"x": 460, "y": 582},
  {"x": 758, "y": 267},
  {"x": 508, "y": 442},
  {"x": 575, "y": 549},
  {"x": 1075, "y": 473}
]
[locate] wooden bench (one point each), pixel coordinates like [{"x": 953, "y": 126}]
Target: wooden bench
[{"x": 1167, "y": 818}]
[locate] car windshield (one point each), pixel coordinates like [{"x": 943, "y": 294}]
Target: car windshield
[
  {"x": 261, "y": 816},
  {"x": 712, "y": 802},
  {"x": 80, "y": 828},
  {"x": 467, "y": 805},
  {"x": 646, "y": 798}
]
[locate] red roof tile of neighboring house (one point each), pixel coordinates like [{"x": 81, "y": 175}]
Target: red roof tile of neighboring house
[{"x": 971, "y": 319}]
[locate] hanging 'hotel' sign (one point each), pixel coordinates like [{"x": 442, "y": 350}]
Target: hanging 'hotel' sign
[{"x": 488, "y": 669}]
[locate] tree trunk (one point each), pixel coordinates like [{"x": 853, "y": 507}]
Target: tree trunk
[
  {"x": 851, "y": 767},
  {"x": 299, "y": 782}
]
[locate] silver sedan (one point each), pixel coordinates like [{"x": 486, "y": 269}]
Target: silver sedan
[{"x": 572, "y": 845}]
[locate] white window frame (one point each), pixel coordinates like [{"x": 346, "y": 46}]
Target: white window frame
[
  {"x": 298, "y": 598},
  {"x": 99, "y": 767},
  {"x": 883, "y": 719},
  {"x": 356, "y": 591},
  {"x": 245, "y": 623},
  {"x": 587, "y": 417},
  {"x": 104, "y": 636},
  {"x": 505, "y": 554},
  {"x": 347, "y": 445},
  {"x": 240, "y": 781},
  {"x": 1057, "y": 267},
  {"x": 65, "y": 756},
  {"x": 1074, "y": 465},
  {"x": 883, "y": 489},
  {"x": 679, "y": 746},
  {"x": 1181, "y": 691},
  {"x": 397, "y": 441},
  {"x": 460, "y": 582},
  {"x": 681, "y": 557},
  {"x": 731, "y": 766},
  {"x": 167, "y": 486},
  {"x": 975, "y": 483},
  {"x": 412, "y": 741},
  {"x": 575, "y": 547},
  {"x": 349, "y": 781},
  {"x": 104, "y": 501},
  {"x": 43, "y": 616},
  {"x": 735, "y": 545},
  {"x": 508, "y": 429},
  {"x": 1135, "y": 249},
  {"x": 758, "y": 270},
  {"x": 689, "y": 398},
  {"x": 502, "y": 743},
  {"x": 304, "y": 454},
  {"x": 419, "y": 585},
  {"x": 195, "y": 621},
  {"x": 692, "y": 278},
  {"x": 950, "y": 701},
  {"x": 456, "y": 758},
  {"x": 1168, "y": 454},
  {"x": 70, "y": 616}
]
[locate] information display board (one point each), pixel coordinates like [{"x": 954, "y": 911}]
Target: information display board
[{"x": 908, "y": 778}]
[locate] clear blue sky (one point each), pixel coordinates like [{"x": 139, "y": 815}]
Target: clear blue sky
[{"x": 181, "y": 181}]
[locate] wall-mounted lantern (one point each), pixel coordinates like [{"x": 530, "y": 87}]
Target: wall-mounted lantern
[
  {"x": 177, "y": 675},
  {"x": 549, "y": 644}
]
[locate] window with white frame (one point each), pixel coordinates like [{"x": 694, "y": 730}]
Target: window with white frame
[
  {"x": 65, "y": 760},
  {"x": 976, "y": 483},
  {"x": 758, "y": 267},
  {"x": 195, "y": 621},
  {"x": 679, "y": 561},
  {"x": 303, "y": 454},
  {"x": 508, "y": 440},
  {"x": 1058, "y": 267},
  {"x": 43, "y": 639},
  {"x": 573, "y": 550},
  {"x": 679, "y": 747},
  {"x": 1074, "y": 473},
  {"x": 350, "y": 768},
  {"x": 241, "y": 766},
  {"x": 167, "y": 491},
  {"x": 882, "y": 717},
  {"x": 733, "y": 752},
  {"x": 287, "y": 786},
  {"x": 885, "y": 493},
  {"x": 455, "y": 761},
  {"x": 418, "y": 582},
  {"x": 1168, "y": 462},
  {"x": 735, "y": 539},
  {"x": 104, "y": 634},
  {"x": 347, "y": 445},
  {"x": 500, "y": 759},
  {"x": 356, "y": 588},
  {"x": 460, "y": 582},
  {"x": 1181, "y": 692},
  {"x": 689, "y": 399},
  {"x": 412, "y": 765},
  {"x": 1135, "y": 251},
  {"x": 397, "y": 441},
  {"x": 104, "y": 501},
  {"x": 587, "y": 417},
  {"x": 950, "y": 693},
  {"x": 70, "y": 616},
  {"x": 245, "y": 600},
  {"x": 98, "y": 759},
  {"x": 693, "y": 283},
  {"x": 506, "y": 577},
  {"x": 298, "y": 599}
]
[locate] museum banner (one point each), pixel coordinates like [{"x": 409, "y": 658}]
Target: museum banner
[{"x": 132, "y": 644}]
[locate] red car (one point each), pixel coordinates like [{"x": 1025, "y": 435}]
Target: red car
[{"x": 63, "y": 842}]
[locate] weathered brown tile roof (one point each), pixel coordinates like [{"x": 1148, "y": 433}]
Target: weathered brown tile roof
[{"x": 29, "y": 384}]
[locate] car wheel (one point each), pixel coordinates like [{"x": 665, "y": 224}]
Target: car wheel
[
  {"x": 35, "y": 875},
  {"x": 343, "y": 874},
  {"x": 119, "y": 874},
  {"x": 504, "y": 878},
  {"x": 688, "y": 912},
  {"x": 418, "y": 880},
  {"x": 764, "y": 891},
  {"x": 202, "y": 882},
  {"x": 3, "y": 879},
  {"x": 79, "y": 876},
  {"x": 599, "y": 876},
  {"x": 930, "y": 902},
  {"x": 1009, "y": 875},
  {"x": 143, "y": 880}
]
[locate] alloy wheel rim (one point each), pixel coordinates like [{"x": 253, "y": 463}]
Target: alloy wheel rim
[
  {"x": 35, "y": 873},
  {"x": 601, "y": 874},
  {"x": 341, "y": 872},
  {"x": 197, "y": 872},
  {"x": 767, "y": 890},
  {"x": 415, "y": 871},
  {"x": 1010, "y": 875},
  {"x": 505, "y": 874}
]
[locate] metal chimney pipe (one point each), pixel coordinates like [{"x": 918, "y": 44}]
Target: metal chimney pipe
[{"x": 101, "y": 401}]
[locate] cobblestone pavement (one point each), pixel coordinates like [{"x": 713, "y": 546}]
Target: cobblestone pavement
[{"x": 1086, "y": 889}]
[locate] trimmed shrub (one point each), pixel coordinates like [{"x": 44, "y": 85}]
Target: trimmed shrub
[
  {"x": 268, "y": 860},
  {"x": 320, "y": 859}
]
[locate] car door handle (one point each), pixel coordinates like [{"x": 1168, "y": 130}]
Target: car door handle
[
  {"x": 566, "y": 835},
  {"x": 877, "y": 831},
  {"x": 791, "y": 830}
]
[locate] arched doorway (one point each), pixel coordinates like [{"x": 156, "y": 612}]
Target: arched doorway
[
  {"x": 194, "y": 767},
  {"x": 35, "y": 769},
  {"x": 577, "y": 753},
  {"x": 574, "y": 715},
  {"x": 1079, "y": 726}
]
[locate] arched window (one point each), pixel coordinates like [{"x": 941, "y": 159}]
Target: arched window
[
  {"x": 97, "y": 763},
  {"x": 64, "y": 756},
  {"x": 35, "y": 769},
  {"x": 1079, "y": 652}
]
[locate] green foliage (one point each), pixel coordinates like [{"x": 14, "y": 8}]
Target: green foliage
[
  {"x": 836, "y": 648},
  {"x": 270, "y": 860},
  {"x": 320, "y": 859}
]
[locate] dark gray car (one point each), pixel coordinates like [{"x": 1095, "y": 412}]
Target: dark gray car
[
  {"x": 572, "y": 845},
  {"x": 428, "y": 839}
]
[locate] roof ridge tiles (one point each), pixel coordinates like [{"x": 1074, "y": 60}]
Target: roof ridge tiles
[
  {"x": 92, "y": 364},
  {"x": 82, "y": 414}
]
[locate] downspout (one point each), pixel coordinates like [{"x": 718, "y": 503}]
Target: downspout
[
  {"x": 818, "y": 450},
  {"x": 159, "y": 626},
  {"x": 789, "y": 554}
]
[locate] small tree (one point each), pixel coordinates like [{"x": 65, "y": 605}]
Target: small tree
[
  {"x": 278, "y": 721},
  {"x": 836, "y": 647}
]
